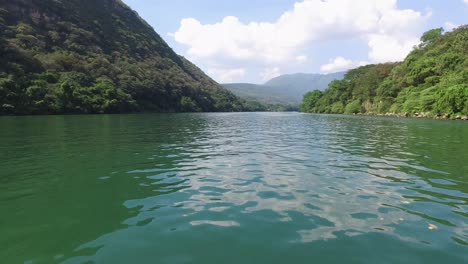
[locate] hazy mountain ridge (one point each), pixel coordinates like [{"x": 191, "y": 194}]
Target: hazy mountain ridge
[
  {"x": 261, "y": 93},
  {"x": 304, "y": 82},
  {"x": 284, "y": 89}
]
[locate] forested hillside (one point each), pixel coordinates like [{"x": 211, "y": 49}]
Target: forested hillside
[
  {"x": 95, "y": 56},
  {"x": 431, "y": 81}
]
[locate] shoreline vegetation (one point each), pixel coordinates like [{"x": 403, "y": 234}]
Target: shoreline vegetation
[
  {"x": 416, "y": 115},
  {"x": 432, "y": 82}
]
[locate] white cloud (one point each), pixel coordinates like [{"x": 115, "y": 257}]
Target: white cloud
[
  {"x": 390, "y": 32},
  {"x": 226, "y": 75},
  {"x": 465, "y": 1},
  {"x": 301, "y": 59},
  {"x": 270, "y": 73},
  {"x": 341, "y": 64},
  {"x": 385, "y": 48},
  {"x": 449, "y": 26},
  {"x": 338, "y": 64}
]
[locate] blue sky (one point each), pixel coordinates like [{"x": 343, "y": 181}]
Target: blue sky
[{"x": 255, "y": 40}]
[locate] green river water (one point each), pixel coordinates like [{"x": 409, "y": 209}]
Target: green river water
[{"x": 233, "y": 188}]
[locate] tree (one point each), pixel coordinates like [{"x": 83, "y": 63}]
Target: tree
[
  {"x": 453, "y": 100},
  {"x": 431, "y": 35},
  {"x": 188, "y": 105},
  {"x": 353, "y": 108},
  {"x": 310, "y": 101}
]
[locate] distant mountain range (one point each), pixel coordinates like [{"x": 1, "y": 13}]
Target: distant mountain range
[{"x": 284, "y": 89}]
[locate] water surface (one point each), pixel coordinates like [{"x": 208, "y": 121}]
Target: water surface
[{"x": 233, "y": 188}]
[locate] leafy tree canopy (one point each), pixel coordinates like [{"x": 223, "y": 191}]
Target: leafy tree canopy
[{"x": 432, "y": 79}]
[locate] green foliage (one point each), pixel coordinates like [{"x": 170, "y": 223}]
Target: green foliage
[
  {"x": 359, "y": 85},
  {"x": 353, "y": 108},
  {"x": 452, "y": 100},
  {"x": 432, "y": 35},
  {"x": 188, "y": 105},
  {"x": 310, "y": 101},
  {"x": 337, "y": 108},
  {"x": 432, "y": 79},
  {"x": 98, "y": 57}
]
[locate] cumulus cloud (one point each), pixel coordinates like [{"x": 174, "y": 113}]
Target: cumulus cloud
[
  {"x": 341, "y": 64},
  {"x": 224, "y": 75},
  {"x": 389, "y": 32},
  {"x": 385, "y": 48}
]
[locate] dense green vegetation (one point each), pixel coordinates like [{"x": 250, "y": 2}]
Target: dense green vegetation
[
  {"x": 97, "y": 56},
  {"x": 432, "y": 80}
]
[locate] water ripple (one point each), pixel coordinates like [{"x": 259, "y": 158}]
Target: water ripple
[{"x": 288, "y": 180}]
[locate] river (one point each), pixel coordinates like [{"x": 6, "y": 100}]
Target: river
[{"x": 233, "y": 188}]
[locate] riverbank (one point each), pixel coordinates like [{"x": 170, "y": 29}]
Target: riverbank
[{"x": 418, "y": 115}]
